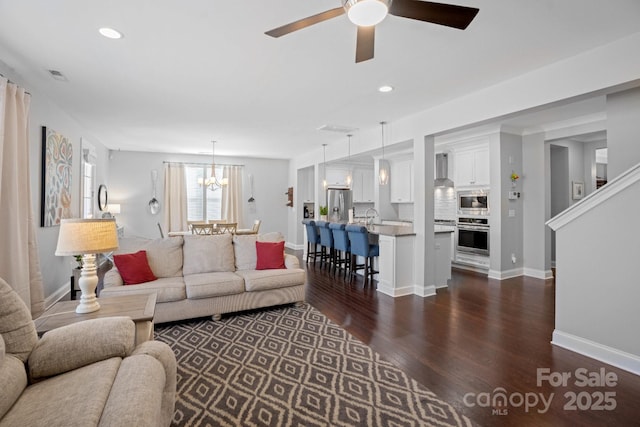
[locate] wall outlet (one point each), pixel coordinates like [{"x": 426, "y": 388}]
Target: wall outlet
[
  {"x": 512, "y": 213},
  {"x": 513, "y": 258}
]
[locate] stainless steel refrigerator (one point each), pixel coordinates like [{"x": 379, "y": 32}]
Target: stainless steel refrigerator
[{"x": 339, "y": 201}]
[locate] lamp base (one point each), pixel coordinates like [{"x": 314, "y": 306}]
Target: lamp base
[
  {"x": 88, "y": 304},
  {"x": 88, "y": 283}
]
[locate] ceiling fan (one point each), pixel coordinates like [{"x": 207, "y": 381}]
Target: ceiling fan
[{"x": 367, "y": 13}]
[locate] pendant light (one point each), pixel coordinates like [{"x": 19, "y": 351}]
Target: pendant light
[
  {"x": 383, "y": 170},
  {"x": 349, "y": 177},
  {"x": 213, "y": 183},
  {"x": 324, "y": 165}
]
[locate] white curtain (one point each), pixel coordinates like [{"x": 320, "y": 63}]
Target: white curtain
[
  {"x": 19, "y": 259},
  {"x": 232, "y": 195},
  {"x": 175, "y": 197}
]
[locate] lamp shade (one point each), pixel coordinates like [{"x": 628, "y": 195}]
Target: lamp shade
[
  {"x": 86, "y": 236},
  {"x": 113, "y": 208}
]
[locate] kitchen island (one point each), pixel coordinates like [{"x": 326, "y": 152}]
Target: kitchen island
[{"x": 396, "y": 262}]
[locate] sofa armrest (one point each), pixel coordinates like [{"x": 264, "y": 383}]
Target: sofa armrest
[
  {"x": 164, "y": 354},
  {"x": 291, "y": 261},
  {"x": 80, "y": 344},
  {"x": 112, "y": 278}
]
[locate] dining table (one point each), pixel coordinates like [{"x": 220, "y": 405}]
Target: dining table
[{"x": 207, "y": 228}]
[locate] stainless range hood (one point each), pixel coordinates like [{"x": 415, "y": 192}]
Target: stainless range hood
[{"x": 442, "y": 171}]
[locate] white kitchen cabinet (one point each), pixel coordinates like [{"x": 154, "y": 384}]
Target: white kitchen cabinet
[
  {"x": 443, "y": 258},
  {"x": 337, "y": 177},
  {"x": 395, "y": 265},
  {"x": 472, "y": 167},
  {"x": 362, "y": 186},
  {"x": 307, "y": 185},
  {"x": 401, "y": 181}
]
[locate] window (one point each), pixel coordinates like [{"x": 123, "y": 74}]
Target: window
[
  {"x": 88, "y": 183},
  {"x": 203, "y": 204}
]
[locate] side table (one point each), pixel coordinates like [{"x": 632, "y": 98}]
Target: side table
[{"x": 140, "y": 308}]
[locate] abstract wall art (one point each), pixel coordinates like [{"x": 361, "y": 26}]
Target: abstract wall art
[{"x": 57, "y": 158}]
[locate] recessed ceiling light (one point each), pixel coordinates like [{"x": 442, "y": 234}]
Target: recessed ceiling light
[
  {"x": 385, "y": 88},
  {"x": 110, "y": 33}
]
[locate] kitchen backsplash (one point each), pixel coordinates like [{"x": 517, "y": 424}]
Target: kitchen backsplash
[
  {"x": 444, "y": 200},
  {"x": 405, "y": 211}
]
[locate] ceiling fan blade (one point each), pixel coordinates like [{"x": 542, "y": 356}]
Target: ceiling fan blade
[
  {"x": 449, "y": 15},
  {"x": 365, "y": 43},
  {"x": 305, "y": 22}
]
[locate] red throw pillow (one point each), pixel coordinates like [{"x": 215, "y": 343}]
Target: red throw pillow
[
  {"x": 270, "y": 255},
  {"x": 134, "y": 268}
]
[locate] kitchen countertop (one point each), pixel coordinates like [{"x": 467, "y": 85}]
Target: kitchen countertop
[
  {"x": 391, "y": 230},
  {"x": 404, "y": 230}
]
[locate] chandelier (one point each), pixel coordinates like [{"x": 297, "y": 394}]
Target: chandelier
[{"x": 212, "y": 182}]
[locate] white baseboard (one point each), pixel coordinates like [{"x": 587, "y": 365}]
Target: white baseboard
[
  {"x": 530, "y": 272},
  {"x": 505, "y": 274},
  {"x": 468, "y": 267},
  {"x": 424, "y": 291},
  {"x": 294, "y": 247},
  {"x": 394, "y": 292},
  {"x": 538, "y": 274},
  {"x": 612, "y": 356},
  {"x": 57, "y": 295}
]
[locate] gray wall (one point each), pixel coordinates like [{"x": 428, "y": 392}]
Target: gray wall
[
  {"x": 131, "y": 186},
  {"x": 534, "y": 206},
  {"x": 511, "y": 160},
  {"x": 43, "y": 112},
  {"x": 597, "y": 289},
  {"x": 623, "y": 131}
]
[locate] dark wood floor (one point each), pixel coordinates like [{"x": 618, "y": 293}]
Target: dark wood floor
[{"x": 474, "y": 337}]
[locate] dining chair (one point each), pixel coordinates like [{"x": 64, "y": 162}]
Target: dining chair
[
  {"x": 360, "y": 246},
  {"x": 313, "y": 239},
  {"x": 252, "y": 230},
  {"x": 326, "y": 244},
  {"x": 201, "y": 228},
  {"x": 342, "y": 247},
  {"x": 227, "y": 227}
]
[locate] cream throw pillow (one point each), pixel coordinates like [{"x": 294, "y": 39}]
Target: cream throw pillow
[{"x": 208, "y": 254}]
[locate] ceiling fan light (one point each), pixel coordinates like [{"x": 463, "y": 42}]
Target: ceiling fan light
[
  {"x": 365, "y": 13},
  {"x": 110, "y": 33}
]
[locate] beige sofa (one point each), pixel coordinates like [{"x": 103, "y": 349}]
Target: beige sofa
[
  {"x": 209, "y": 275},
  {"x": 84, "y": 374}
]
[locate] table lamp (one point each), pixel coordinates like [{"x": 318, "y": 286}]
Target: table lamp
[{"x": 87, "y": 237}]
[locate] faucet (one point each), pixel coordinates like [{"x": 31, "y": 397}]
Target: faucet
[{"x": 368, "y": 220}]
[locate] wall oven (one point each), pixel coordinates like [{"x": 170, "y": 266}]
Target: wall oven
[
  {"x": 473, "y": 202},
  {"x": 473, "y": 235}
]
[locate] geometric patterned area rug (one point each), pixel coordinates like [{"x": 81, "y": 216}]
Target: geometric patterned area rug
[{"x": 291, "y": 366}]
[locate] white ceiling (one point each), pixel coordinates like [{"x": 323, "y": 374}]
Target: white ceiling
[{"x": 192, "y": 71}]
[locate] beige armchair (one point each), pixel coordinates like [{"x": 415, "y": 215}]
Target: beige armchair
[{"x": 84, "y": 374}]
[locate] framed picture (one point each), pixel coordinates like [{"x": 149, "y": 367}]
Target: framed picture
[
  {"x": 57, "y": 160},
  {"x": 577, "y": 190}
]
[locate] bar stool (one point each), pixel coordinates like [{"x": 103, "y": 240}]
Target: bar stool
[
  {"x": 313, "y": 239},
  {"x": 341, "y": 246},
  {"x": 360, "y": 246},
  {"x": 326, "y": 244}
]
